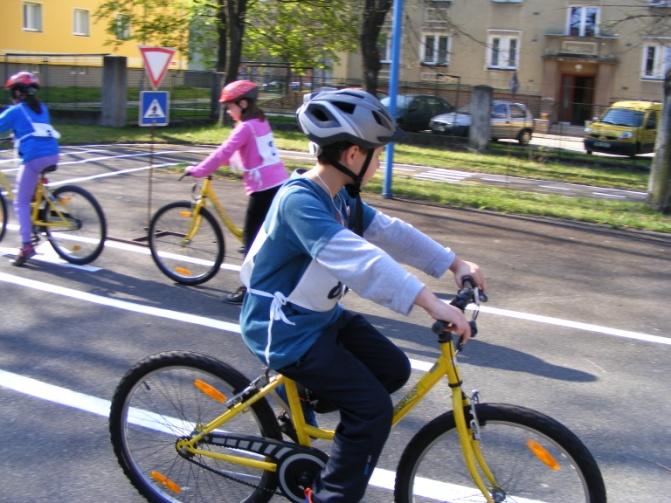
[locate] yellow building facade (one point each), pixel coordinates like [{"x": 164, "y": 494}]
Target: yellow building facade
[{"x": 63, "y": 28}]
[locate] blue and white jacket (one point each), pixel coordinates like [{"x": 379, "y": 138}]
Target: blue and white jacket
[
  {"x": 304, "y": 255},
  {"x": 34, "y": 137}
]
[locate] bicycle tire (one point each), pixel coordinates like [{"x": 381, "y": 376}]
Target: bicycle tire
[
  {"x": 156, "y": 403},
  {"x": 189, "y": 263},
  {"x": 432, "y": 463},
  {"x": 82, "y": 239},
  {"x": 3, "y": 216}
]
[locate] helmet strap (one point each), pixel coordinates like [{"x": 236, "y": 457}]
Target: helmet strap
[{"x": 354, "y": 190}]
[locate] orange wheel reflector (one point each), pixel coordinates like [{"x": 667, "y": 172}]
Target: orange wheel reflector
[
  {"x": 183, "y": 271},
  {"x": 209, "y": 390},
  {"x": 543, "y": 454},
  {"x": 185, "y": 213},
  {"x": 64, "y": 200},
  {"x": 76, "y": 248},
  {"x": 165, "y": 481}
]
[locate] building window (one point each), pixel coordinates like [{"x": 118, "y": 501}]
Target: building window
[
  {"x": 80, "y": 23},
  {"x": 503, "y": 51},
  {"x": 435, "y": 49},
  {"x": 32, "y": 16},
  {"x": 384, "y": 46},
  {"x": 122, "y": 27},
  {"x": 583, "y": 21},
  {"x": 656, "y": 61}
]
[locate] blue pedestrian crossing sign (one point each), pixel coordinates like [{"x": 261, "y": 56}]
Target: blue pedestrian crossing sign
[{"x": 154, "y": 108}]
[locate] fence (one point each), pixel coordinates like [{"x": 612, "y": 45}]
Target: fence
[{"x": 72, "y": 86}]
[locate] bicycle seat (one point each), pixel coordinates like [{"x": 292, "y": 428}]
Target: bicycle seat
[{"x": 50, "y": 169}]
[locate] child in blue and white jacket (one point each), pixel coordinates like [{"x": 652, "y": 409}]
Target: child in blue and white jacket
[
  {"x": 317, "y": 239},
  {"x": 36, "y": 143}
]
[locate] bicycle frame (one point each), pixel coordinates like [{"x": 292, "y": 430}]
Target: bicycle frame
[
  {"x": 5, "y": 186},
  {"x": 445, "y": 366},
  {"x": 43, "y": 194},
  {"x": 207, "y": 192}
]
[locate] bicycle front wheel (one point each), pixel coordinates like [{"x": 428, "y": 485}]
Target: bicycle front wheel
[
  {"x": 532, "y": 457},
  {"x": 3, "y": 216},
  {"x": 76, "y": 226},
  {"x": 164, "y": 399},
  {"x": 187, "y": 250}
]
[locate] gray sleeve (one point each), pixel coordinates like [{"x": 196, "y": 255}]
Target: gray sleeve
[
  {"x": 369, "y": 271},
  {"x": 409, "y": 245}
]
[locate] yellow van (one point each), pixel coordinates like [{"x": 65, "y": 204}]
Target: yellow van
[{"x": 627, "y": 127}]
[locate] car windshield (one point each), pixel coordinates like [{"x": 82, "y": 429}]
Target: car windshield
[{"x": 623, "y": 117}]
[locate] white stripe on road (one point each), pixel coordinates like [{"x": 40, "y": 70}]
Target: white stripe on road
[
  {"x": 232, "y": 327},
  {"x": 588, "y": 327},
  {"x": 120, "y": 304}
]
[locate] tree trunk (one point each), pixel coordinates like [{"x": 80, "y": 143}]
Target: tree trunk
[
  {"x": 222, "y": 32},
  {"x": 237, "y": 11},
  {"x": 659, "y": 185},
  {"x": 374, "y": 14}
]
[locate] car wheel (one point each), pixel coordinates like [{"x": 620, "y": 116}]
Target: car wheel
[
  {"x": 589, "y": 152},
  {"x": 524, "y": 137}
]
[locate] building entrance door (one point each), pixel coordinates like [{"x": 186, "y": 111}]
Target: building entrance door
[{"x": 577, "y": 98}]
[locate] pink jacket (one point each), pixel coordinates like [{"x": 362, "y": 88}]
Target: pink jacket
[{"x": 250, "y": 147}]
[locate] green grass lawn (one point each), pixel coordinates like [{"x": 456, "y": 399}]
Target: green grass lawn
[{"x": 503, "y": 159}]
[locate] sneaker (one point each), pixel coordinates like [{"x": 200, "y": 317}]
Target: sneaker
[
  {"x": 236, "y": 297},
  {"x": 27, "y": 251}
]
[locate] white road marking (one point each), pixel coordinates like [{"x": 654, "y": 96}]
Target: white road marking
[{"x": 120, "y": 304}]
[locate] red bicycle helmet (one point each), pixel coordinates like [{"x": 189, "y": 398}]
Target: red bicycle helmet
[
  {"x": 22, "y": 79},
  {"x": 238, "y": 90}
]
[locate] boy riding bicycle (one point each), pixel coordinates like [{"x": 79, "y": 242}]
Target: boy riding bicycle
[{"x": 318, "y": 237}]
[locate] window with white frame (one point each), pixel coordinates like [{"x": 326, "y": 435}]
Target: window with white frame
[
  {"x": 122, "y": 27},
  {"x": 503, "y": 50},
  {"x": 32, "y": 16},
  {"x": 583, "y": 21},
  {"x": 656, "y": 61},
  {"x": 80, "y": 22},
  {"x": 384, "y": 46},
  {"x": 435, "y": 49}
]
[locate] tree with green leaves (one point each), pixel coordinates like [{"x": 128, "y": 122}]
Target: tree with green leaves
[
  {"x": 186, "y": 25},
  {"x": 305, "y": 34}
]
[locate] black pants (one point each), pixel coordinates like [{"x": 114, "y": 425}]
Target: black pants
[
  {"x": 259, "y": 203},
  {"x": 354, "y": 367}
]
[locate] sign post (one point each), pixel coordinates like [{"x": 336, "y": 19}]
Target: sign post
[{"x": 154, "y": 106}]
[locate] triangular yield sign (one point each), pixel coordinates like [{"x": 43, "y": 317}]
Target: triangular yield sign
[{"x": 156, "y": 62}]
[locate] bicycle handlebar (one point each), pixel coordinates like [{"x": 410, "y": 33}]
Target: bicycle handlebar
[{"x": 469, "y": 293}]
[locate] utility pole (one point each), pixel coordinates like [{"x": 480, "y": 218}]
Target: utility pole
[{"x": 659, "y": 185}]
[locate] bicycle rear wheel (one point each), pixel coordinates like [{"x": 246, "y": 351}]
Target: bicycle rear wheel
[
  {"x": 76, "y": 224},
  {"x": 187, "y": 261},
  {"x": 533, "y": 457},
  {"x": 3, "y": 216},
  {"x": 162, "y": 399}
]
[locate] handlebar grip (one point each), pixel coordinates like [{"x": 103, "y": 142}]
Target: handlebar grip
[
  {"x": 183, "y": 175},
  {"x": 439, "y": 326}
]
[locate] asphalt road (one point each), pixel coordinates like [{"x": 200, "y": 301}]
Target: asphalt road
[{"x": 577, "y": 327}]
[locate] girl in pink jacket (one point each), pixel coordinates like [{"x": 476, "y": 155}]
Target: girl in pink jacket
[{"x": 250, "y": 147}]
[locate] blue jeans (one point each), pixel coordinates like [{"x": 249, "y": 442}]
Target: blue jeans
[{"x": 355, "y": 368}]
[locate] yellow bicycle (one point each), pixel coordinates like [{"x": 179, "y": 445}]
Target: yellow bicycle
[
  {"x": 188, "y": 427},
  {"x": 69, "y": 216},
  {"x": 185, "y": 240}
]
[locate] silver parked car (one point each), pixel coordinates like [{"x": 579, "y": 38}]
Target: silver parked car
[{"x": 509, "y": 121}]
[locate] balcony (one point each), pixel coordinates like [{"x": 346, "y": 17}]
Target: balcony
[{"x": 600, "y": 48}]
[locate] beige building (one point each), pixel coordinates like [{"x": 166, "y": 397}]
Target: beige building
[{"x": 573, "y": 57}]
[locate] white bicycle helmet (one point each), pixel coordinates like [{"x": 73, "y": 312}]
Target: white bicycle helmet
[{"x": 347, "y": 115}]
